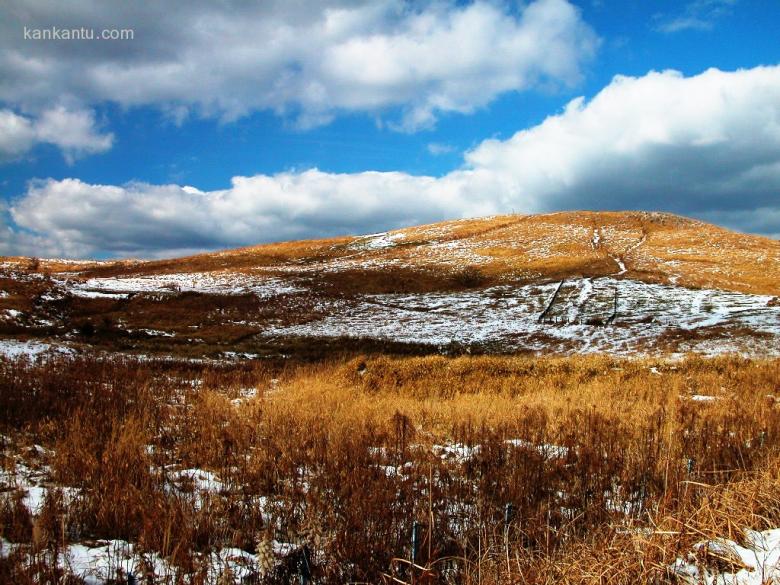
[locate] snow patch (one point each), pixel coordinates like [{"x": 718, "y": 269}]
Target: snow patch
[
  {"x": 723, "y": 561},
  {"x": 650, "y": 319},
  {"x": 14, "y": 349},
  {"x": 379, "y": 241},
  {"x": 201, "y": 282}
]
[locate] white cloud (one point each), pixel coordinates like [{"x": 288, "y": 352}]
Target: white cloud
[
  {"x": 439, "y": 148},
  {"x": 15, "y": 242},
  {"x": 74, "y": 132},
  {"x": 706, "y": 142},
  {"x": 307, "y": 60},
  {"x": 707, "y": 146},
  {"x": 696, "y": 15},
  {"x": 141, "y": 218},
  {"x": 17, "y": 135}
]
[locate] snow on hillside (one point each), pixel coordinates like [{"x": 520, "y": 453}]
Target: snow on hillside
[
  {"x": 202, "y": 282},
  {"x": 14, "y": 349},
  {"x": 378, "y": 241},
  {"x": 587, "y": 315},
  {"x": 602, "y": 313}
]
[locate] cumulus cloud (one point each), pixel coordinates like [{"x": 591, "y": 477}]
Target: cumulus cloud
[
  {"x": 711, "y": 141},
  {"x": 307, "y": 60},
  {"x": 15, "y": 242},
  {"x": 706, "y": 146},
  {"x": 141, "y": 219},
  {"x": 75, "y": 132},
  {"x": 17, "y": 135}
]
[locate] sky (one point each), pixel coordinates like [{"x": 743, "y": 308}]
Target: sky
[{"x": 213, "y": 125}]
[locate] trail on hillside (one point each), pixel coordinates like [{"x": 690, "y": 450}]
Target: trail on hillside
[{"x": 599, "y": 242}]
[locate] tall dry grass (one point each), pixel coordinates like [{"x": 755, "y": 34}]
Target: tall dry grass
[{"x": 612, "y": 468}]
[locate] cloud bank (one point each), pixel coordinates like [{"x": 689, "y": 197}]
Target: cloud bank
[
  {"x": 306, "y": 60},
  {"x": 707, "y": 146}
]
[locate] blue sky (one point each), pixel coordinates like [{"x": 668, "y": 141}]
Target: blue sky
[{"x": 410, "y": 113}]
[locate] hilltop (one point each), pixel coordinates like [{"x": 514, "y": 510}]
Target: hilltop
[
  {"x": 562, "y": 282},
  {"x": 648, "y": 246}
]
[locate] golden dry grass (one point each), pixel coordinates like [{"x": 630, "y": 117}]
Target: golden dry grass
[
  {"x": 591, "y": 436},
  {"x": 655, "y": 247}
]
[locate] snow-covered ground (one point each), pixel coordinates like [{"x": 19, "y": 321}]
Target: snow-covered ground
[
  {"x": 12, "y": 348},
  {"x": 110, "y": 561},
  {"x": 378, "y": 241},
  {"x": 113, "y": 561},
  {"x": 724, "y": 562},
  {"x": 202, "y": 282},
  {"x": 610, "y": 314},
  {"x": 580, "y": 320}
]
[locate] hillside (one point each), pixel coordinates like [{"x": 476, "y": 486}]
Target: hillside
[
  {"x": 572, "y": 281},
  {"x": 648, "y": 246}
]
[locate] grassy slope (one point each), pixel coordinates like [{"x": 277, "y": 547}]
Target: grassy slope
[
  {"x": 654, "y": 247},
  {"x": 454, "y": 255}
]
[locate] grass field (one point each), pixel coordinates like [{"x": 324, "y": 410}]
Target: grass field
[{"x": 515, "y": 470}]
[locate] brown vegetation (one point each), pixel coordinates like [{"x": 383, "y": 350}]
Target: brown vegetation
[
  {"x": 611, "y": 467},
  {"x": 655, "y": 247}
]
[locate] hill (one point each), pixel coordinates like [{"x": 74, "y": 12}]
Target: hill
[
  {"x": 648, "y": 246},
  {"x": 571, "y": 281}
]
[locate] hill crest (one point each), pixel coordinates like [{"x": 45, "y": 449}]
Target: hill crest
[{"x": 653, "y": 247}]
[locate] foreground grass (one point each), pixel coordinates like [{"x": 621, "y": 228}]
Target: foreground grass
[{"x": 516, "y": 470}]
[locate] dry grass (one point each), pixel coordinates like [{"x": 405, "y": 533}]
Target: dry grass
[
  {"x": 655, "y": 247},
  {"x": 614, "y": 471}
]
